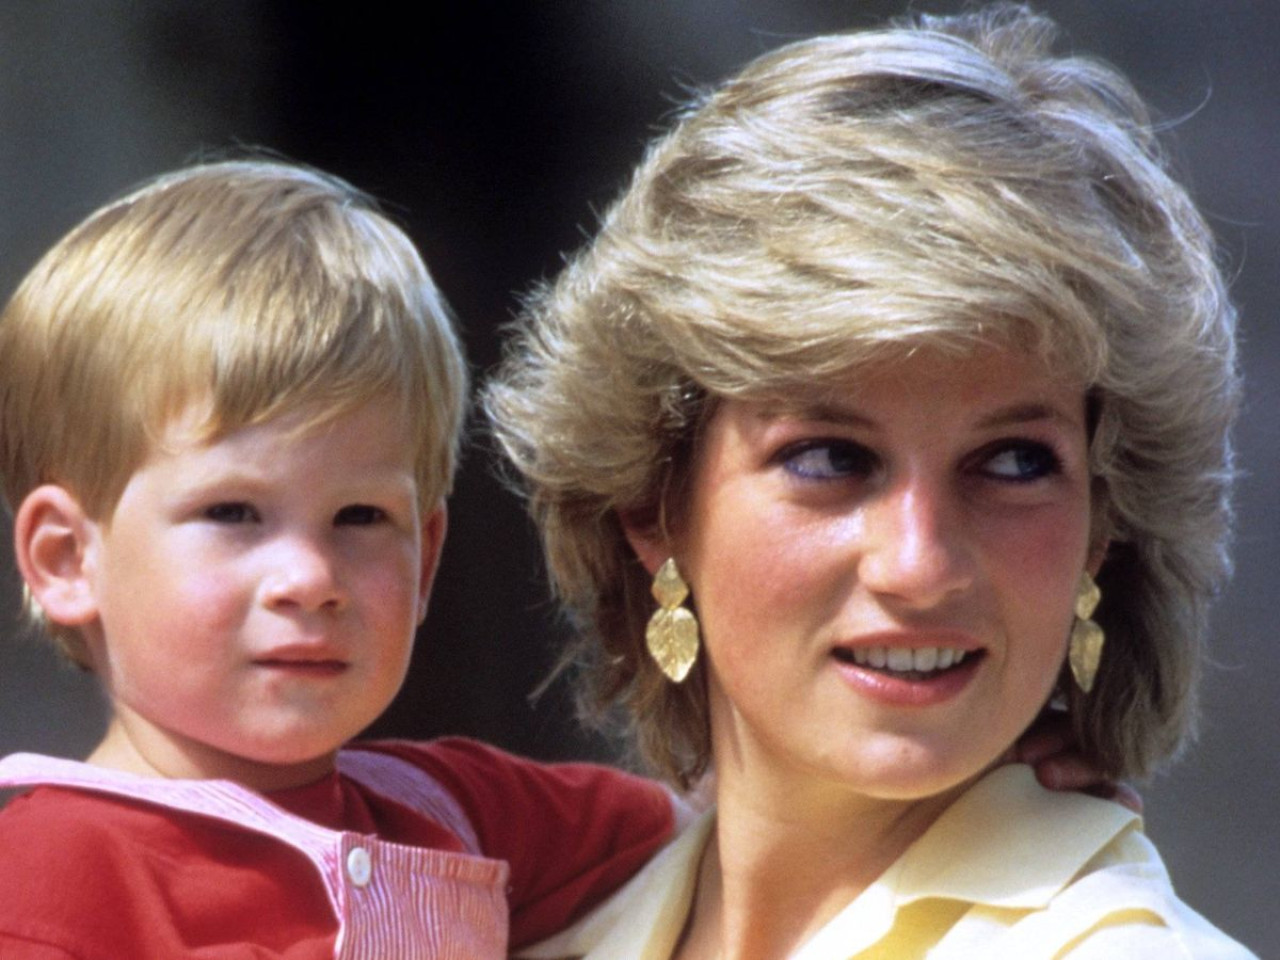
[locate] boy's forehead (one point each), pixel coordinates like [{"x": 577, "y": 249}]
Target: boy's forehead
[{"x": 199, "y": 425}]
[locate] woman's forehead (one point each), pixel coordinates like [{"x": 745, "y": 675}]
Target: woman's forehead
[{"x": 923, "y": 370}]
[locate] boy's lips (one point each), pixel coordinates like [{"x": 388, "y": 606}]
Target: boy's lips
[{"x": 303, "y": 659}]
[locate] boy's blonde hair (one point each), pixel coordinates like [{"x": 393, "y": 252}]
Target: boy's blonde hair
[
  {"x": 944, "y": 183},
  {"x": 256, "y": 287}
]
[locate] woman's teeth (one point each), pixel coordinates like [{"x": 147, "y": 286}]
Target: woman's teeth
[{"x": 905, "y": 659}]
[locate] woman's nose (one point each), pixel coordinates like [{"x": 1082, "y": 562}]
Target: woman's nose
[
  {"x": 303, "y": 575},
  {"x": 915, "y": 549}
]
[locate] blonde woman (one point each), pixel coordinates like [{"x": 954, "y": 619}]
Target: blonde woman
[{"x": 889, "y": 409}]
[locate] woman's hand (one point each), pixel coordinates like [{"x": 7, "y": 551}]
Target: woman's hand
[{"x": 1049, "y": 746}]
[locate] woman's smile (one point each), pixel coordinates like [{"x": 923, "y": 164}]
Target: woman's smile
[
  {"x": 909, "y": 669},
  {"x": 915, "y": 664}
]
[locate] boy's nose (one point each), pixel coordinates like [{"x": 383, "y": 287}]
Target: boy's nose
[
  {"x": 303, "y": 576},
  {"x": 915, "y": 550}
]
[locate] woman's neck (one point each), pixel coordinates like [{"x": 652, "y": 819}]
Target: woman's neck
[{"x": 786, "y": 857}]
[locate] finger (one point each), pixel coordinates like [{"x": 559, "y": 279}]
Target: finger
[
  {"x": 1067, "y": 771},
  {"x": 1048, "y": 736},
  {"x": 1120, "y": 792},
  {"x": 1070, "y": 772}
]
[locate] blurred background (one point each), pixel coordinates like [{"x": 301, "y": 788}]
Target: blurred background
[{"x": 494, "y": 133}]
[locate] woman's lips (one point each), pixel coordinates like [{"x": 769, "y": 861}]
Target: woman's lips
[
  {"x": 909, "y": 672},
  {"x": 903, "y": 659}
]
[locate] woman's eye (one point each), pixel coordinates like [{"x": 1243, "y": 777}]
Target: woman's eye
[
  {"x": 232, "y": 512},
  {"x": 1022, "y": 462},
  {"x": 829, "y": 460},
  {"x": 359, "y": 515}
]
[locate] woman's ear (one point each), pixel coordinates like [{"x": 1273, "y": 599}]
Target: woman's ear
[
  {"x": 52, "y": 538},
  {"x": 1099, "y": 527},
  {"x": 646, "y": 537},
  {"x": 1097, "y": 554}
]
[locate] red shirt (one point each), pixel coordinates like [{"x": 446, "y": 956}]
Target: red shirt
[{"x": 87, "y": 874}]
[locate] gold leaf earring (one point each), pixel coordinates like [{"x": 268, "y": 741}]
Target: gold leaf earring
[
  {"x": 672, "y": 634},
  {"x": 1085, "y": 650}
]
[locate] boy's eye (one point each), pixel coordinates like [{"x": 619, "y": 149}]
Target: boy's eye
[
  {"x": 359, "y": 515},
  {"x": 1022, "y": 462},
  {"x": 829, "y": 460},
  {"x": 231, "y": 513}
]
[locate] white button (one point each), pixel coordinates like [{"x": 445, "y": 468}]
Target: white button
[{"x": 359, "y": 866}]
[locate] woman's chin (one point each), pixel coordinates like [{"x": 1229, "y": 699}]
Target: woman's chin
[{"x": 903, "y": 771}]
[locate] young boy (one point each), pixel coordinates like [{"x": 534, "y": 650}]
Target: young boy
[{"x": 229, "y": 416}]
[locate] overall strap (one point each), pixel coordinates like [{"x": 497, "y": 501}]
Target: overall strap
[{"x": 411, "y": 786}]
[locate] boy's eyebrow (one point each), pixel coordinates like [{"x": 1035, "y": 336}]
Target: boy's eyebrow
[
  {"x": 233, "y": 482},
  {"x": 244, "y": 480}
]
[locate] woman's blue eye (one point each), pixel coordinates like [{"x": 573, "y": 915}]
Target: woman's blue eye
[
  {"x": 231, "y": 513},
  {"x": 359, "y": 515},
  {"x": 830, "y": 460},
  {"x": 1023, "y": 462}
]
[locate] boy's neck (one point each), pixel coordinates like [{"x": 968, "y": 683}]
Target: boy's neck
[{"x": 123, "y": 749}]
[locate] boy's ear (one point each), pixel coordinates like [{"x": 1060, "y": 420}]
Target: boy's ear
[
  {"x": 434, "y": 528},
  {"x": 647, "y": 539},
  {"x": 51, "y": 539}
]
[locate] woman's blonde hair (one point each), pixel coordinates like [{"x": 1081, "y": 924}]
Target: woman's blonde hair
[
  {"x": 946, "y": 182},
  {"x": 254, "y": 287}
]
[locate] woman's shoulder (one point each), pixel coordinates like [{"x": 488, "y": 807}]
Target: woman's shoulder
[
  {"x": 1080, "y": 879},
  {"x": 1137, "y": 940},
  {"x": 1028, "y": 873},
  {"x": 1124, "y": 905}
]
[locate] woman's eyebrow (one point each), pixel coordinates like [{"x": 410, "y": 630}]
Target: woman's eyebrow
[
  {"x": 828, "y": 412},
  {"x": 1030, "y": 413},
  {"x": 821, "y": 411}
]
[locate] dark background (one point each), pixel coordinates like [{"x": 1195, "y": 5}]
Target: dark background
[{"x": 493, "y": 133}]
